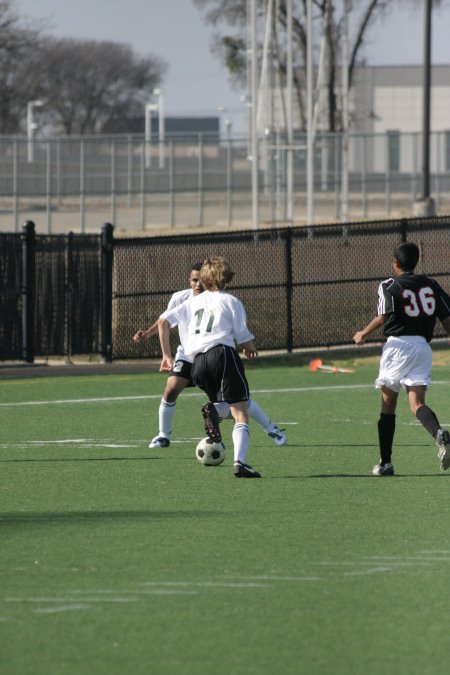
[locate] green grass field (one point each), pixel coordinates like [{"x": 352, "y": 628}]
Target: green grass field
[{"x": 120, "y": 560}]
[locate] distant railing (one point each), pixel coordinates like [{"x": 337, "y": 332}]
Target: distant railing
[{"x": 72, "y": 183}]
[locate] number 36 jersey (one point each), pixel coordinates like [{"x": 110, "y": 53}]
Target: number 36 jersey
[
  {"x": 210, "y": 319},
  {"x": 411, "y": 303}
]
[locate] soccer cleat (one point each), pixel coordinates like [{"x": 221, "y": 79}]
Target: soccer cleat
[
  {"x": 383, "y": 469},
  {"x": 443, "y": 443},
  {"x": 278, "y": 435},
  {"x": 245, "y": 471},
  {"x": 211, "y": 418},
  {"x": 159, "y": 442}
]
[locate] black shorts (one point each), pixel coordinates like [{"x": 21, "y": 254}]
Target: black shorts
[
  {"x": 183, "y": 369},
  {"x": 220, "y": 373}
]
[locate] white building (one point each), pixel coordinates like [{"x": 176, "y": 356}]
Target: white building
[{"x": 387, "y": 104}]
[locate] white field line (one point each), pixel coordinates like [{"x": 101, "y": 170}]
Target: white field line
[
  {"x": 330, "y": 570},
  {"x": 58, "y": 610},
  {"x": 109, "y": 399}
]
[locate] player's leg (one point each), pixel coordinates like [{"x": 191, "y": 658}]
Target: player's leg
[
  {"x": 204, "y": 375},
  {"x": 386, "y": 431},
  {"x": 236, "y": 390},
  {"x": 166, "y": 412},
  {"x": 427, "y": 417},
  {"x": 275, "y": 433},
  {"x": 394, "y": 363},
  {"x": 212, "y": 422},
  {"x": 220, "y": 373},
  {"x": 259, "y": 416},
  {"x": 241, "y": 440}
]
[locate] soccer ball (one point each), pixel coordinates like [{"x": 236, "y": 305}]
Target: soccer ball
[{"x": 210, "y": 453}]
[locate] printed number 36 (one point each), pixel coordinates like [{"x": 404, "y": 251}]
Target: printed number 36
[{"x": 421, "y": 302}]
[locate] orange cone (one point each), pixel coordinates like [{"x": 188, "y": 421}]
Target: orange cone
[{"x": 318, "y": 364}]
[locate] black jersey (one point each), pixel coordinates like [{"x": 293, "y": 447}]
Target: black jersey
[{"x": 411, "y": 303}]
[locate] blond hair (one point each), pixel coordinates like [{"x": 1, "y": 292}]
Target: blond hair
[{"x": 216, "y": 273}]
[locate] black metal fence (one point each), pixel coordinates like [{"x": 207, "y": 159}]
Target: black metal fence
[
  {"x": 302, "y": 287},
  {"x": 55, "y": 291}
]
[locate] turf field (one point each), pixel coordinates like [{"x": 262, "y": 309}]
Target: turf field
[{"x": 120, "y": 560}]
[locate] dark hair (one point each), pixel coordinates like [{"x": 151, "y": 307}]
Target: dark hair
[
  {"x": 407, "y": 256},
  {"x": 197, "y": 267}
]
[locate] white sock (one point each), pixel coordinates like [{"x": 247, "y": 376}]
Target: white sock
[
  {"x": 223, "y": 409},
  {"x": 166, "y": 413},
  {"x": 259, "y": 416},
  {"x": 241, "y": 440},
  {"x": 254, "y": 411}
]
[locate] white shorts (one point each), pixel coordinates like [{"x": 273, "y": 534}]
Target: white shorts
[{"x": 406, "y": 361}]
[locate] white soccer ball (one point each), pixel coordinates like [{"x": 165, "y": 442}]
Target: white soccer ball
[{"x": 210, "y": 453}]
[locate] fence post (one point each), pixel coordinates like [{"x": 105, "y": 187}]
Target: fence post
[
  {"x": 289, "y": 336},
  {"x": 403, "y": 229},
  {"x": 106, "y": 266},
  {"x": 28, "y": 285},
  {"x": 69, "y": 296}
]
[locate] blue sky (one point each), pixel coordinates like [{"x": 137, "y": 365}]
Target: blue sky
[{"x": 196, "y": 82}]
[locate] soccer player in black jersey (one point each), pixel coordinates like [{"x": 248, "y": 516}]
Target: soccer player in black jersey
[{"x": 408, "y": 305}]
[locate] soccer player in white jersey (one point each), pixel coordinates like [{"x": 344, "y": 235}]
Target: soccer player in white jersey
[
  {"x": 216, "y": 322},
  {"x": 180, "y": 377},
  {"x": 408, "y": 306}
]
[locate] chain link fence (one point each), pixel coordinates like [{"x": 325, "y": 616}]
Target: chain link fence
[
  {"x": 73, "y": 183},
  {"x": 303, "y": 287}
]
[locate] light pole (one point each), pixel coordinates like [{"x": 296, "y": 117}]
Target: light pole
[
  {"x": 345, "y": 117},
  {"x": 254, "y": 150},
  {"x": 426, "y": 205},
  {"x": 309, "y": 119},
  {"x": 31, "y": 126},
  {"x": 161, "y": 125},
  {"x": 228, "y": 126},
  {"x": 149, "y": 108},
  {"x": 159, "y": 108},
  {"x": 226, "y": 123}
]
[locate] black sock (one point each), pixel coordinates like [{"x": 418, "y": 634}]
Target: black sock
[
  {"x": 429, "y": 420},
  {"x": 386, "y": 430}
]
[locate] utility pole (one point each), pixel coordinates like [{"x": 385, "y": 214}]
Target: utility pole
[
  {"x": 309, "y": 120},
  {"x": 345, "y": 117},
  {"x": 289, "y": 135},
  {"x": 253, "y": 111},
  {"x": 31, "y": 127},
  {"x": 426, "y": 206}
]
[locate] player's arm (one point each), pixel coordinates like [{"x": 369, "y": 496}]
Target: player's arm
[
  {"x": 249, "y": 349},
  {"x": 361, "y": 335},
  {"x": 164, "y": 339},
  {"x": 243, "y": 337},
  {"x": 143, "y": 335}
]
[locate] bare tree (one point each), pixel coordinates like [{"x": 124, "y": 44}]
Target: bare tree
[
  {"x": 87, "y": 84},
  {"x": 84, "y": 84},
  {"x": 18, "y": 44},
  {"x": 327, "y": 14}
]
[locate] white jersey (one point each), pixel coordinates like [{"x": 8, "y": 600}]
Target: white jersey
[
  {"x": 209, "y": 319},
  {"x": 177, "y": 299}
]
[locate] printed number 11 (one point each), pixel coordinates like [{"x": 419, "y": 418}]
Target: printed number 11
[{"x": 199, "y": 314}]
